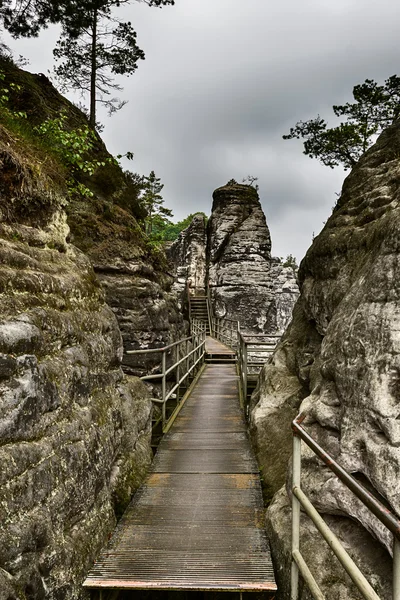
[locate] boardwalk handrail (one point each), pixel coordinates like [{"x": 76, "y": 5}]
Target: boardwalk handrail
[
  {"x": 189, "y": 352},
  {"x": 226, "y": 331},
  {"x": 253, "y": 351},
  {"x": 385, "y": 516}
]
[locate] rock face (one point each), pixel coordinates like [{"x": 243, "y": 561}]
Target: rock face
[
  {"x": 74, "y": 431},
  {"x": 133, "y": 276},
  {"x": 233, "y": 256},
  {"x": 339, "y": 364},
  {"x": 188, "y": 258},
  {"x": 246, "y": 283},
  {"x": 138, "y": 293},
  {"x": 104, "y": 225}
]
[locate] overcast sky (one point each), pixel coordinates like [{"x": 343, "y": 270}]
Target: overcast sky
[{"x": 223, "y": 80}]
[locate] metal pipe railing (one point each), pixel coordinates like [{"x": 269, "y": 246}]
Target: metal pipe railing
[
  {"x": 385, "y": 516},
  {"x": 189, "y": 351},
  {"x": 210, "y": 310},
  {"x": 252, "y": 355}
]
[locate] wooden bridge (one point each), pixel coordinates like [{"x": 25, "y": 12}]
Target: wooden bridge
[
  {"x": 196, "y": 524},
  {"x": 197, "y": 521}
]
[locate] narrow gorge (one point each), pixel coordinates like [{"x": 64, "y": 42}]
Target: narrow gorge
[{"x": 81, "y": 285}]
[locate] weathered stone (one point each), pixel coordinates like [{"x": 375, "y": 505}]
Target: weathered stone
[
  {"x": 136, "y": 286},
  {"x": 188, "y": 258},
  {"x": 233, "y": 257},
  {"x": 270, "y": 423},
  {"x": 343, "y": 346},
  {"x": 9, "y": 590},
  {"x": 74, "y": 432},
  {"x": 246, "y": 283}
]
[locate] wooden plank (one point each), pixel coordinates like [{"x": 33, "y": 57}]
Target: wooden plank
[
  {"x": 213, "y": 346},
  {"x": 197, "y": 521}
]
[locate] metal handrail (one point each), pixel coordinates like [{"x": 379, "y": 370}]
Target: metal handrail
[
  {"x": 210, "y": 309},
  {"x": 189, "y": 301},
  {"x": 385, "y": 516},
  {"x": 190, "y": 357},
  {"x": 248, "y": 349},
  {"x": 226, "y": 331}
]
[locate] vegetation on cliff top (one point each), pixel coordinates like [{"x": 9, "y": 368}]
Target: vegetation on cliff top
[
  {"x": 105, "y": 208},
  {"x": 375, "y": 108},
  {"x": 94, "y": 46}
]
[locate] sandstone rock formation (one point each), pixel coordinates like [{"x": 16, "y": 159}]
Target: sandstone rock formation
[
  {"x": 188, "y": 258},
  {"x": 339, "y": 364},
  {"x": 104, "y": 225},
  {"x": 232, "y": 255},
  {"x": 246, "y": 283},
  {"x": 74, "y": 431}
]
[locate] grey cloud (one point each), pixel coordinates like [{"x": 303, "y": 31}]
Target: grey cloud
[{"x": 224, "y": 79}]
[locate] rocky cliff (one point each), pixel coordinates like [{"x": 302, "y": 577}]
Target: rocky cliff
[
  {"x": 232, "y": 255},
  {"x": 76, "y": 271},
  {"x": 246, "y": 283},
  {"x": 339, "y": 364},
  {"x": 187, "y": 256},
  {"x": 104, "y": 225},
  {"x": 134, "y": 278},
  {"x": 74, "y": 431}
]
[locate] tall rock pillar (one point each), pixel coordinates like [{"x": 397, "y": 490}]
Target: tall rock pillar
[{"x": 245, "y": 282}]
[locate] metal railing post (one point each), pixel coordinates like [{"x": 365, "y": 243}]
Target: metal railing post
[
  {"x": 187, "y": 357},
  {"x": 177, "y": 373},
  {"x": 396, "y": 568},
  {"x": 240, "y": 361},
  {"x": 296, "y": 480},
  {"x": 164, "y": 385},
  {"x": 245, "y": 373}
]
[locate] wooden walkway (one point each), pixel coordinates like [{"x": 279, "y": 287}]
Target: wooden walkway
[
  {"x": 197, "y": 521},
  {"x": 214, "y": 347}
]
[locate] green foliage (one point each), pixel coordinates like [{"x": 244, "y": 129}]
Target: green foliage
[
  {"x": 375, "y": 108},
  {"x": 290, "y": 261},
  {"x": 166, "y": 231},
  {"x": 5, "y": 91},
  {"x": 153, "y": 202},
  {"x": 27, "y": 17},
  {"x": 72, "y": 147}
]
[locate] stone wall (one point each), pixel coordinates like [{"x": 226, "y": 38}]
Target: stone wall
[{"x": 339, "y": 364}]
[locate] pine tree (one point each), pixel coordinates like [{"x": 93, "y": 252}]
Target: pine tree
[
  {"x": 375, "y": 108},
  {"x": 94, "y": 47},
  {"x": 153, "y": 201}
]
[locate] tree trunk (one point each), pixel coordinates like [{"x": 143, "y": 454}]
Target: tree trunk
[{"x": 92, "y": 117}]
